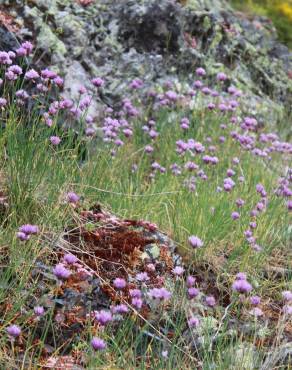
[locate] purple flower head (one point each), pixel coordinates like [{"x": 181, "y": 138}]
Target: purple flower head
[
  {"x": 191, "y": 166},
  {"x": 103, "y": 317},
  {"x": 256, "y": 311},
  {"x": 67, "y": 104},
  {"x": 184, "y": 126},
  {"x": 159, "y": 293},
  {"x": 22, "y": 236},
  {"x": 228, "y": 184},
  {"x": 39, "y": 310},
  {"x": 13, "y": 331},
  {"x": 48, "y": 74},
  {"x": 289, "y": 205},
  {"x": 31, "y": 74},
  {"x": 211, "y": 106},
  {"x": 254, "y": 213},
  {"x": 197, "y": 146},
  {"x": 178, "y": 270},
  {"x": 136, "y": 84},
  {"x": 255, "y": 300},
  {"x": 210, "y": 301},
  {"x": 253, "y": 225},
  {"x": 82, "y": 90},
  {"x": 257, "y": 247},
  {"x": 260, "y": 189},
  {"x": 11, "y": 54},
  {"x": 21, "y": 52},
  {"x": 200, "y": 72},
  {"x": 28, "y": 46},
  {"x": 191, "y": 281},
  {"x": 251, "y": 240},
  {"x": 22, "y": 94},
  {"x": 135, "y": 293},
  {"x": 148, "y": 149},
  {"x": 230, "y": 172},
  {"x": 58, "y": 81},
  {"x": 128, "y": 132},
  {"x": 5, "y": 58},
  {"x": 171, "y": 95},
  {"x": 55, "y": 140},
  {"x": 72, "y": 197},
  {"x": 206, "y": 90},
  {"x": 195, "y": 242},
  {"x": 221, "y": 76},
  {"x": 287, "y": 295},
  {"x": 232, "y": 90},
  {"x": 142, "y": 276},
  {"x": 153, "y": 134},
  {"x": 89, "y": 119},
  {"x": 17, "y": 70},
  {"x": 235, "y": 215},
  {"x": 210, "y": 160},
  {"x": 239, "y": 202},
  {"x": 164, "y": 354},
  {"x": 120, "y": 283},
  {"x": 137, "y": 303},
  {"x": 61, "y": 272},
  {"x": 3, "y": 102},
  {"x": 85, "y": 103},
  {"x": 184, "y": 122},
  {"x": 287, "y": 309},
  {"x": 193, "y": 322},
  {"x": 120, "y": 309},
  {"x": 193, "y": 292},
  {"x": 260, "y": 206},
  {"x": 241, "y": 286},
  {"x": 98, "y": 344},
  {"x": 10, "y": 76},
  {"x": 198, "y": 84},
  {"x": 89, "y": 131},
  {"x": 70, "y": 258},
  {"x": 97, "y": 82},
  {"x": 241, "y": 276},
  {"x": 119, "y": 142},
  {"x": 29, "y": 229}
]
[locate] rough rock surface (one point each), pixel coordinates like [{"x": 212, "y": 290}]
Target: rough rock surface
[
  {"x": 106, "y": 247},
  {"x": 157, "y": 40}
]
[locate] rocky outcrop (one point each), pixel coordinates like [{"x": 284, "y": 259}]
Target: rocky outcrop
[{"x": 157, "y": 41}]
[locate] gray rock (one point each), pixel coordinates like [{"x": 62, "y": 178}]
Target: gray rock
[
  {"x": 75, "y": 77},
  {"x": 7, "y": 40},
  {"x": 155, "y": 40}
]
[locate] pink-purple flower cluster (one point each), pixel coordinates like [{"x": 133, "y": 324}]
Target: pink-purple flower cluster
[{"x": 25, "y": 231}]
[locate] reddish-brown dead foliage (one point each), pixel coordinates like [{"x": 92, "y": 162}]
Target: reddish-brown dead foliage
[
  {"x": 85, "y": 2},
  {"x": 114, "y": 244},
  {"x": 113, "y": 248},
  {"x": 8, "y": 21}
]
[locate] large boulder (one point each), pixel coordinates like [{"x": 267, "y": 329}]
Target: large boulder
[{"x": 156, "y": 40}]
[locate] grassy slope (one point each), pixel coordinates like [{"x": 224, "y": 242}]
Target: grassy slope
[{"x": 37, "y": 176}]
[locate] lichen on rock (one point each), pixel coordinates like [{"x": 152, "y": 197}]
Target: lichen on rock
[{"x": 157, "y": 40}]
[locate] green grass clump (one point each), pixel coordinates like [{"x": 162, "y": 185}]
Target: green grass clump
[{"x": 36, "y": 176}]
